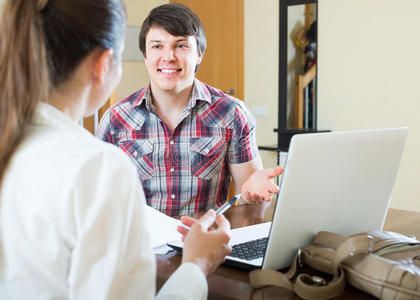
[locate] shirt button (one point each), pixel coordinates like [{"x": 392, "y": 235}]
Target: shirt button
[
  {"x": 171, "y": 142},
  {"x": 206, "y": 150},
  {"x": 172, "y": 196},
  {"x": 172, "y": 169}
]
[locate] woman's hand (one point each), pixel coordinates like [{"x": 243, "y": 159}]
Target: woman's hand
[{"x": 204, "y": 244}]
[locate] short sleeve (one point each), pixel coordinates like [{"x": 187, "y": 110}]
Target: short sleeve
[
  {"x": 243, "y": 146},
  {"x": 104, "y": 129}
]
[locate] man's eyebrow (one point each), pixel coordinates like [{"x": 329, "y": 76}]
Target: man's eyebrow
[{"x": 177, "y": 41}]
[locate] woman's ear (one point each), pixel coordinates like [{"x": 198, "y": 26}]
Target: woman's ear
[{"x": 102, "y": 62}]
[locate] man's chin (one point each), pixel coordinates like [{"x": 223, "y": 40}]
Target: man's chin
[{"x": 173, "y": 88}]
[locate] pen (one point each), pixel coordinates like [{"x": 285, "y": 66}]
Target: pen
[
  {"x": 227, "y": 205},
  {"x": 221, "y": 209}
]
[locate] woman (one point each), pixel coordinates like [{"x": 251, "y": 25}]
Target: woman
[{"x": 72, "y": 223}]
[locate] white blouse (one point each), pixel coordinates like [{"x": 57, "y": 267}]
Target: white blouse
[{"x": 72, "y": 221}]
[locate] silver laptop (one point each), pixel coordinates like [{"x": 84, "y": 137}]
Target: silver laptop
[{"x": 340, "y": 182}]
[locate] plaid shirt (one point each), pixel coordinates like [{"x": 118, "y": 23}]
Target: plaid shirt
[{"x": 184, "y": 171}]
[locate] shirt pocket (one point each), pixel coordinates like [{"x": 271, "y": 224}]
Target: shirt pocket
[
  {"x": 207, "y": 156},
  {"x": 141, "y": 153}
]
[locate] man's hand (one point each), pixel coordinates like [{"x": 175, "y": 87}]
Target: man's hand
[
  {"x": 259, "y": 186},
  {"x": 203, "y": 244}
]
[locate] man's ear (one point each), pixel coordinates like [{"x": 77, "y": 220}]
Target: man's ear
[
  {"x": 200, "y": 58},
  {"x": 102, "y": 62}
]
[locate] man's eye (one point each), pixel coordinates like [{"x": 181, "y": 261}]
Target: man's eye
[
  {"x": 182, "y": 46},
  {"x": 156, "y": 46}
]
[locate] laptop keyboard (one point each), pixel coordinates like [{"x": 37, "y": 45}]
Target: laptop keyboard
[{"x": 250, "y": 250}]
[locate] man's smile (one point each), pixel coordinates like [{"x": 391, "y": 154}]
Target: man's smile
[{"x": 169, "y": 71}]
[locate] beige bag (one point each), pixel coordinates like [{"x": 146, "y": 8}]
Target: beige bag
[{"x": 383, "y": 264}]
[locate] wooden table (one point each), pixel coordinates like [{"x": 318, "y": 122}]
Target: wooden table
[{"x": 231, "y": 283}]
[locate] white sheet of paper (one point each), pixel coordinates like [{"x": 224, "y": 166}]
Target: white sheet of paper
[
  {"x": 162, "y": 249},
  {"x": 162, "y": 228}
]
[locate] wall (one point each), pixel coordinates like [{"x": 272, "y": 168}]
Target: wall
[
  {"x": 261, "y": 64},
  {"x": 134, "y": 73},
  {"x": 369, "y": 76}
]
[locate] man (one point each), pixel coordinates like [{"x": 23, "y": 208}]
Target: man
[{"x": 186, "y": 138}]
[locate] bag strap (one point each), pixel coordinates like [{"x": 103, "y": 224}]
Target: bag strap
[
  {"x": 305, "y": 286},
  {"x": 262, "y": 278},
  {"x": 355, "y": 245},
  {"x": 309, "y": 287},
  {"x": 329, "y": 239}
]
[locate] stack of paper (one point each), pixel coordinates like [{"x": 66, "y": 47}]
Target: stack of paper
[{"x": 162, "y": 229}]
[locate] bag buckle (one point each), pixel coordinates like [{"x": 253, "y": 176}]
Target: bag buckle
[
  {"x": 299, "y": 258},
  {"x": 313, "y": 280},
  {"x": 318, "y": 281}
]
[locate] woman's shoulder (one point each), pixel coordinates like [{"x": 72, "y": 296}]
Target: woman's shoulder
[{"x": 70, "y": 150}]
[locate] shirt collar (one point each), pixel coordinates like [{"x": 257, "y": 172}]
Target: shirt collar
[
  {"x": 199, "y": 92},
  {"x": 145, "y": 98},
  {"x": 46, "y": 114}
]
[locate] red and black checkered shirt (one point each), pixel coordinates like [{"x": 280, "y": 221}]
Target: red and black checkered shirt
[{"x": 184, "y": 171}]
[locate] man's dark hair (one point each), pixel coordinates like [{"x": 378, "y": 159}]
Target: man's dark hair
[{"x": 176, "y": 19}]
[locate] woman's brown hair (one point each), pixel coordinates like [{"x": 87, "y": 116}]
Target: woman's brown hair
[{"x": 41, "y": 44}]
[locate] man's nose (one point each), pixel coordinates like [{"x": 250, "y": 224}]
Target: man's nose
[{"x": 169, "y": 55}]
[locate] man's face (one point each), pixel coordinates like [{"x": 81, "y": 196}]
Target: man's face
[{"x": 170, "y": 61}]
